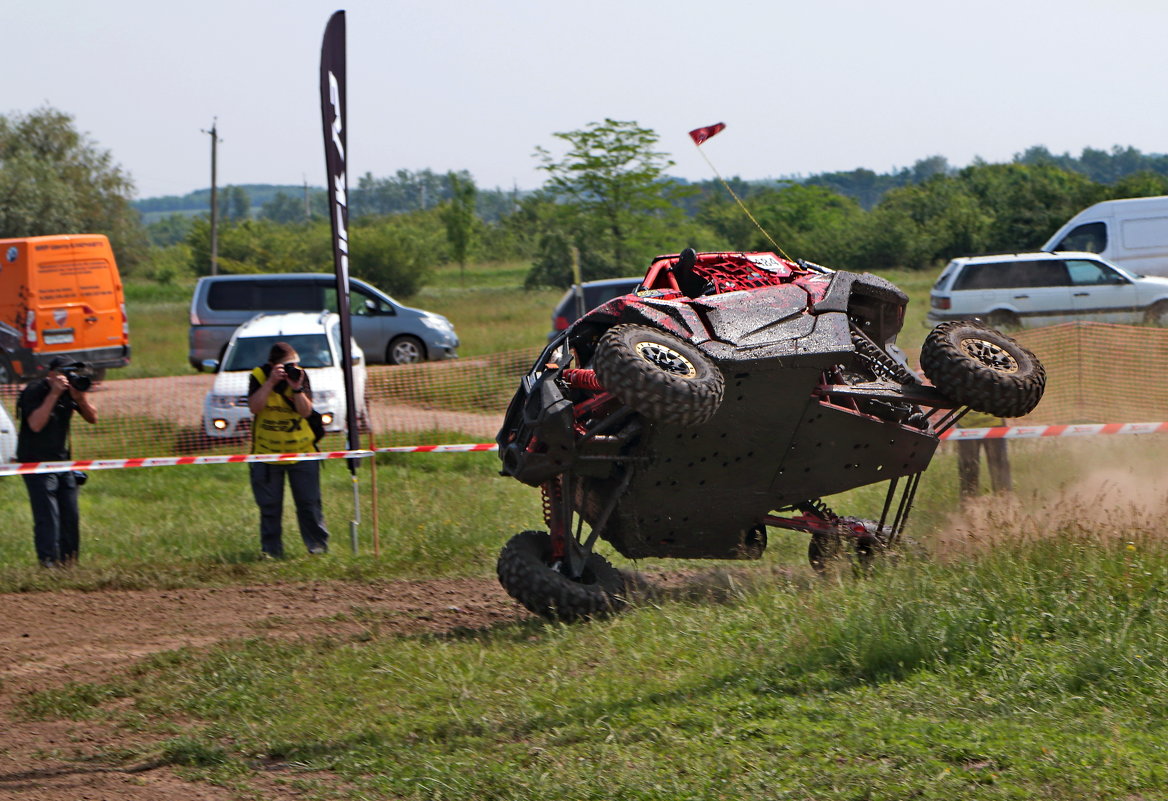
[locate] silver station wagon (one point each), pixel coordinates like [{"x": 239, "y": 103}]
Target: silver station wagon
[{"x": 1027, "y": 290}]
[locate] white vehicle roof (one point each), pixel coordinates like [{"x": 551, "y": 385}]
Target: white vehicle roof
[
  {"x": 1041, "y": 255},
  {"x": 267, "y": 325}
]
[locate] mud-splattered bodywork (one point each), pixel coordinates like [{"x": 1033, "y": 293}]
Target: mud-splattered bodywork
[{"x": 817, "y": 400}]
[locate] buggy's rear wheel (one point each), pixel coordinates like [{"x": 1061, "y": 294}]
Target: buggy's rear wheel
[
  {"x": 982, "y": 368},
  {"x": 527, "y": 574},
  {"x": 659, "y": 375},
  {"x": 823, "y": 549}
]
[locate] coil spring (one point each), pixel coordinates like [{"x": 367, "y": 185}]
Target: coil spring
[
  {"x": 551, "y": 493},
  {"x": 817, "y": 508},
  {"x": 879, "y": 362}
]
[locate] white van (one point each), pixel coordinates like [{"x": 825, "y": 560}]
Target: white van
[{"x": 1132, "y": 233}]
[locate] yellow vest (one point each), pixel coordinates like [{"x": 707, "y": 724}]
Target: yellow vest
[{"x": 279, "y": 428}]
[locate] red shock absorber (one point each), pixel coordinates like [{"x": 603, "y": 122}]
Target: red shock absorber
[
  {"x": 553, "y": 501},
  {"x": 583, "y": 379}
]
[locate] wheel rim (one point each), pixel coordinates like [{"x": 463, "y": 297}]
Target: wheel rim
[
  {"x": 406, "y": 353},
  {"x": 666, "y": 358},
  {"x": 990, "y": 354}
]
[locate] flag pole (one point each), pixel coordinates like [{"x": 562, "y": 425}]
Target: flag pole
[{"x": 333, "y": 119}]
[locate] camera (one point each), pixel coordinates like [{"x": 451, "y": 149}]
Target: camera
[
  {"x": 79, "y": 377},
  {"x": 292, "y": 371}
]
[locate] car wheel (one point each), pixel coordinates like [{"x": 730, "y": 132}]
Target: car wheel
[
  {"x": 526, "y": 573},
  {"x": 405, "y": 350},
  {"x": 982, "y": 368},
  {"x": 659, "y": 375},
  {"x": 1157, "y": 314},
  {"x": 1003, "y": 320}
]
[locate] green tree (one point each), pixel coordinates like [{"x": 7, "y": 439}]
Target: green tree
[
  {"x": 56, "y": 180},
  {"x": 170, "y": 230},
  {"x": 283, "y": 208},
  {"x": 394, "y": 253},
  {"x": 234, "y": 203},
  {"x": 607, "y": 196},
  {"x": 458, "y": 216},
  {"x": 251, "y": 246}
]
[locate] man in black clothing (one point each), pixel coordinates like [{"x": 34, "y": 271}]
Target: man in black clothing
[{"x": 45, "y": 408}]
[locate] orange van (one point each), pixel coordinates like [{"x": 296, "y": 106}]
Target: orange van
[{"x": 60, "y": 295}]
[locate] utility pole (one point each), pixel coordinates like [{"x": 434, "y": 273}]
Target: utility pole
[
  {"x": 307, "y": 207},
  {"x": 214, "y": 200}
]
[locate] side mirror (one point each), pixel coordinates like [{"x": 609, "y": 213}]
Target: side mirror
[
  {"x": 371, "y": 306},
  {"x": 211, "y": 365},
  {"x": 355, "y": 359}
]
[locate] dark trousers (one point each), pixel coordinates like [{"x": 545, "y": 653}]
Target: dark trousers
[
  {"x": 267, "y": 484},
  {"x": 56, "y": 523},
  {"x": 969, "y": 465}
]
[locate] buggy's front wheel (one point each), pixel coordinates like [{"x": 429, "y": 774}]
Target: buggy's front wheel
[
  {"x": 528, "y": 575},
  {"x": 659, "y": 375},
  {"x": 982, "y": 368}
]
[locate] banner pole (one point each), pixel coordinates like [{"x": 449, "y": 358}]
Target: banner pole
[
  {"x": 373, "y": 490},
  {"x": 333, "y": 105}
]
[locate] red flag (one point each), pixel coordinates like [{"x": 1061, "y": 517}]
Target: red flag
[{"x": 700, "y": 135}]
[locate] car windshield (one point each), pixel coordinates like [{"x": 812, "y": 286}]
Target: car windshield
[{"x": 250, "y": 352}]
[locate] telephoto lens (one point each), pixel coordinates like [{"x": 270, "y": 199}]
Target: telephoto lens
[
  {"x": 79, "y": 378},
  {"x": 293, "y": 372}
]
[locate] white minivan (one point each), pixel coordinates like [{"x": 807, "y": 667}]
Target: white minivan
[
  {"x": 1132, "y": 232},
  {"x": 1034, "y": 289}
]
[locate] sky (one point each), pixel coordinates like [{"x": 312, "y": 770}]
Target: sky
[{"x": 803, "y": 87}]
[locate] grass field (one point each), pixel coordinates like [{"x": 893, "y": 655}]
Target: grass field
[{"x": 1024, "y": 659}]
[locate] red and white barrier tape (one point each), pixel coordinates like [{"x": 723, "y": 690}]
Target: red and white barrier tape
[
  {"x": 24, "y": 468},
  {"x": 998, "y": 432},
  {"x": 1033, "y": 432},
  {"x": 482, "y": 446}
]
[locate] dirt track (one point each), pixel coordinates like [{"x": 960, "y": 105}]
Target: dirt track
[
  {"x": 50, "y": 638},
  {"x": 47, "y": 639}
]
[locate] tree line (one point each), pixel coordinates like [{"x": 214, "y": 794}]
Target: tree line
[{"x": 607, "y": 200}]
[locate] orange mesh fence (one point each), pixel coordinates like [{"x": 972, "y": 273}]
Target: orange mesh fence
[
  {"x": 1097, "y": 373},
  {"x": 1101, "y": 373},
  {"x": 460, "y": 400}
]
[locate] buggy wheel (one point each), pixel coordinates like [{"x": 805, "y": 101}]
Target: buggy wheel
[
  {"x": 657, "y": 374},
  {"x": 980, "y": 367},
  {"x": 823, "y": 549},
  {"x": 526, "y": 573}
]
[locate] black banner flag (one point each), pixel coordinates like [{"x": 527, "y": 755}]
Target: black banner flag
[{"x": 332, "y": 112}]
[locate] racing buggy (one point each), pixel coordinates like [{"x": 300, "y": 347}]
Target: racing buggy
[{"x": 727, "y": 395}]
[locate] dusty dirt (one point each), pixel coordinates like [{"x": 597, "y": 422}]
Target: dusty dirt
[
  {"x": 50, "y": 638},
  {"x": 139, "y": 397},
  {"x": 47, "y": 639}
]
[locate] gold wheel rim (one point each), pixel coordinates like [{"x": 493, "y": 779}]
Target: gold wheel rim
[
  {"x": 666, "y": 358},
  {"x": 990, "y": 354}
]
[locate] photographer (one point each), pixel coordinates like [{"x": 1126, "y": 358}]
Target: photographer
[
  {"x": 45, "y": 408},
  {"x": 280, "y": 397}
]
